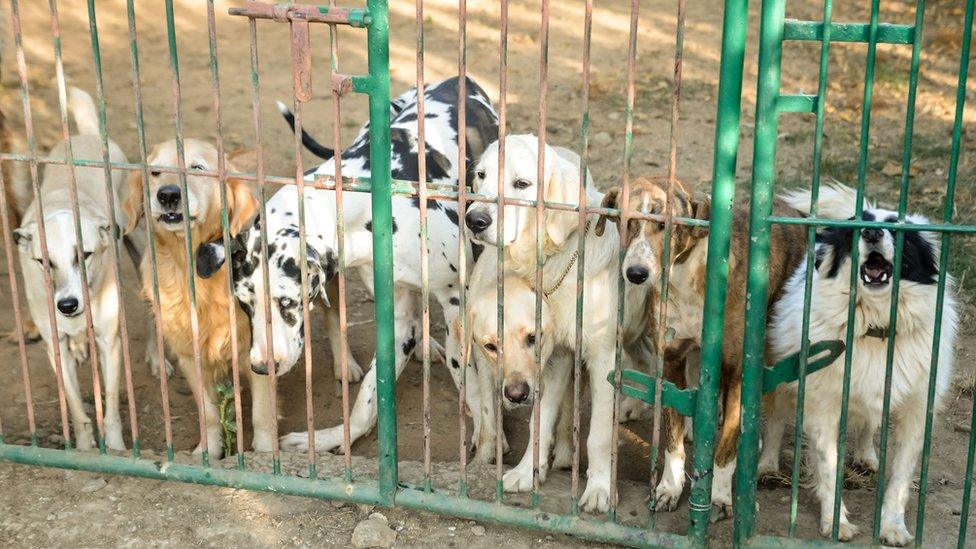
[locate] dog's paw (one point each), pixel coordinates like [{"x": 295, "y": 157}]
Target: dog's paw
[
  {"x": 632, "y": 409},
  {"x": 720, "y": 512},
  {"x": 113, "y": 437},
  {"x": 215, "y": 450},
  {"x": 261, "y": 442},
  {"x": 84, "y": 436},
  {"x": 846, "y": 532},
  {"x": 326, "y": 440},
  {"x": 519, "y": 479},
  {"x": 867, "y": 461},
  {"x": 596, "y": 497},
  {"x": 31, "y": 333},
  {"x": 354, "y": 370},
  {"x": 895, "y": 534},
  {"x": 153, "y": 362},
  {"x": 667, "y": 495}
]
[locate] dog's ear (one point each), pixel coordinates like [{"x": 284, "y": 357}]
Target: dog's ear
[
  {"x": 563, "y": 187},
  {"x": 24, "y": 237},
  {"x": 322, "y": 269},
  {"x": 609, "y": 201},
  {"x": 241, "y": 204},
  {"x": 210, "y": 258},
  {"x": 132, "y": 205},
  {"x": 701, "y": 208}
]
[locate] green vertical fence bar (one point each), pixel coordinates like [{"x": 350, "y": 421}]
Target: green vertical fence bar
[
  {"x": 723, "y": 192},
  {"x": 896, "y": 277},
  {"x": 818, "y": 139},
  {"x": 953, "y": 166},
  {"x": 754, "y": 343},
  {"x": 947, "y": 214},
  {"x": 378, "y": 88}
]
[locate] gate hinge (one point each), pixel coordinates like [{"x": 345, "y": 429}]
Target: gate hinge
[
  {"x": 642, "y": 386},
  {"x": 285, "y": 12}
]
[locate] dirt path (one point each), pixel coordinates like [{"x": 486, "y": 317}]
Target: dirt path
[{"x": 186, "y": 509}]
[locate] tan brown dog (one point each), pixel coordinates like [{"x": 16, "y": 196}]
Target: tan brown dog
[
  {"x": 643, "y": 264},
  {"x": 212, "y": 295}
]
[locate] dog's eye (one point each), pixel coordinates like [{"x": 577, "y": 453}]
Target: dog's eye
[
  {"x": 197, "y": 166},
  {"x": 530, "y": 340},
  {"x": 491, "y": 348},
  {"x": 286, "y": 303},
  {"x": 154, "y": 173},
  {"x": 480, "y": 174},
  {"x": 522, "y": 184},
  {"x": 660, "y": 225}
]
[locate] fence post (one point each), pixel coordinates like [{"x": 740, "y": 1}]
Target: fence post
[
  {"x": 723, "y": 191},
  {"x": 754, "y": 343},
  {"x": 378, "y": 88}
]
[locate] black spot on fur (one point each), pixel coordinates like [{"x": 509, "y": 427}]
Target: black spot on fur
[
  {"x": 453, "y": 268},
  {"x": 451, "y": 214},
  {"x": 454, "y": 301},
  {"x": 291, "y": 269},
  {"x": 210, "y": 258},
  {"x": 431, "y": 203},
  {"x": 919, "y": 263},
  {"x": 476, "y": 250},
  {"x": 454, "y": 364},
  {"x": 369, "y": 225}
]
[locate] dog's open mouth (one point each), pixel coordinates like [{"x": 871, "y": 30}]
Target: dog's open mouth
[
  {"x": 171, "y": 218},
  {"x": 876, "y": 270}
]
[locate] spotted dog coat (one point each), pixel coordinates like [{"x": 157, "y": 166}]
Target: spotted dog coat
[{"x": 441, "y": 134}]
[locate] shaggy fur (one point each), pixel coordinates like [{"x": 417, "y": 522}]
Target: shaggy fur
[
  {"x": 643, "y": 264},
  {"x": 828, "y": 321},
  {"x": 212, "y": 296}
]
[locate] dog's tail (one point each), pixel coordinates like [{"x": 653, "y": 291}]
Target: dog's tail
[
  {"x": 83, "y": 110},
  {"x": 836, "y": 201},
  {"x": 310, "y": 143}
]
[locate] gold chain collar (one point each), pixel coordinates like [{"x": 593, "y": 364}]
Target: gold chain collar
[{"x": 569, "y": 266}]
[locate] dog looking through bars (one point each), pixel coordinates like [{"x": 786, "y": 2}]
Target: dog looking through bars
[{"x": 286, "y": 324}]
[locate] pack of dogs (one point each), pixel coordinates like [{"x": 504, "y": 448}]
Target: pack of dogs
[{"x": 267, "y": 240}]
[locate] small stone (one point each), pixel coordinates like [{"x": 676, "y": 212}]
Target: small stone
[
  {"x": 93, "y": 486},
  {"x": 478, "y": 530},
  {"x": 957, "y": 512},
  {"x": 379, "y": 516},
  {"x": 602, "y": 139},
  {"x": 337, "y": 504},
  {"x": 55, "y": 439},
  {"x": 373, "y": 532}
]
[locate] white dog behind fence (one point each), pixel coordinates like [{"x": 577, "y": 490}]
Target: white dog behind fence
[
  {"x": 561, "y": 185},
  {"x": 99, "y": 232},
  {"x": 828, "y": 321}
]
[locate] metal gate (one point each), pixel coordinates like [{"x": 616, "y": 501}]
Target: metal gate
[{"x": 387, "y": 488}]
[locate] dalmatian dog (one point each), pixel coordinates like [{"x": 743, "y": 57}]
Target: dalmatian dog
[{"x": 321, "y": 253}]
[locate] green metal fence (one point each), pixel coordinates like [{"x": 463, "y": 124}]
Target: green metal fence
[{"x": 702, "y": 403}]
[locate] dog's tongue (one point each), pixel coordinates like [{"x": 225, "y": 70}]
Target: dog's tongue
[{"x": 874, "y": 272}]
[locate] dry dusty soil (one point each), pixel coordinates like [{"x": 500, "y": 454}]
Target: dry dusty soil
[{"x": 41, "y": 507}]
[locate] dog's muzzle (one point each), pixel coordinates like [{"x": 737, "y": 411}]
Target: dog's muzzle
[
  {"x": 68, "y": 307},
  {"x": 876, "y": 271},
  {"x": 260, "y": 368},
  {"x": 637, "y": 274},
  {"x": 168, "y": 197},
  {"x": 477, "y": 220},
  {"x": 518, "y": 393}
]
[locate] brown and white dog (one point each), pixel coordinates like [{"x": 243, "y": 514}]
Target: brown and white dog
[
  {"x": 643, "y": 264},
  {"x": 212, "y": 295}
]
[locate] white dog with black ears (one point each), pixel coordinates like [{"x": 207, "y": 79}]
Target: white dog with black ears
[{"x": 828, "y": 321}]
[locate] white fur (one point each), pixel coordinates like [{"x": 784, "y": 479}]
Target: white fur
[
  {"x": 910, "y": 373},
  {"x": 66, "y": 334},
  {"x": 600, "y": 297}
]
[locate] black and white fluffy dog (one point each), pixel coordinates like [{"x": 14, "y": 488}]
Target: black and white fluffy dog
[
  {"x": 828, "y": 321},
  {"x": 441, "y": 135}
]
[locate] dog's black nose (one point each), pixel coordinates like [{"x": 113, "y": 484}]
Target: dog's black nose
[
  {"x": 168, "y": 196},
  {"x": 637, "y": 274},
  {"x": 477, "y": 220},
  {"x": 68, "y": 305},
  {"x": 259, "y": 368},
  {"x": 517, "y": 392},
  {"x": 872, "y": 236}
]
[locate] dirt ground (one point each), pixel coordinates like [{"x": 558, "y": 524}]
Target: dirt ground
[{"x": 36, "y": 499}]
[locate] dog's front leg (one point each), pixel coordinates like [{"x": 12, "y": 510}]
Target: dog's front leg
[
  {"x": 84, "y": 434},
  {"x": 472, "y": 392},
  {"x": 485, "y": 440},
  {"x": 335, "y": 339},
  {"x": 110, "y": 353},
  {"x": 363, "y": 416},
  {"x": 821, "y": 427},
  {"x": 909, "y": 434},
  {"x": 263, "y": 417},
  {"x": 596, "y": 496},
  {"x": 668, "y": 492},
  {"x": 202, "y": 396},
  {"x": 157, "y": 363},
  {"x": 777, "y": 407},
  {"x": 554, "y": 380}
]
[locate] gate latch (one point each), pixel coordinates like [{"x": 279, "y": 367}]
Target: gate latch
[{"x": 642, "y": 386}]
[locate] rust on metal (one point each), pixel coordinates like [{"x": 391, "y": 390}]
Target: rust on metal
[
  {"x": 284, "y": 13},
  {"x": 341, "y": 86}
]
